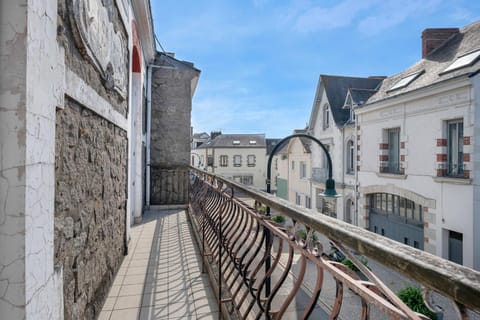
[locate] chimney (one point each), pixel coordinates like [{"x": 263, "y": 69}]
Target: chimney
[
  {"x": 214, "y": 134},
  {"x": 434, "y": 38}
]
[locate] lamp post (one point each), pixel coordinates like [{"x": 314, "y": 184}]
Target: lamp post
[{"x": 329, "y": 192}]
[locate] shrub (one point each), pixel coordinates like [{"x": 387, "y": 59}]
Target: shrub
[
  {"x": 353, "y": 267},
  {"x": 262, "y": 209},
  {"x": 412, "y": 297},
  {"x": 278, "y": 219},
  {"x": 303, "y": 236}
]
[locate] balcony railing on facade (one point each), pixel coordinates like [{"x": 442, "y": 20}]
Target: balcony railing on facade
[
  {"x": 319, "y": 174},
  {"x": 263, "y": 269}
]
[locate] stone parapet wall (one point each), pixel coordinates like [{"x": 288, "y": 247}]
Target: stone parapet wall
[{"x": 90, "y": 207}]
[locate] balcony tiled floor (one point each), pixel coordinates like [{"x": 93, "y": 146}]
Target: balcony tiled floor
[{"x": 161, "y": 277}]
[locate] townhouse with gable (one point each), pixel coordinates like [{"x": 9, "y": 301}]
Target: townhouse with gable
[
  {"x": 418, "y": 150},
  {"x": 332, "y": 121}
]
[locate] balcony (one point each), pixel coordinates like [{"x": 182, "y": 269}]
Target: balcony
[
  {"x": 259, "y": 269},
  {"x": 319, "y": 175}
]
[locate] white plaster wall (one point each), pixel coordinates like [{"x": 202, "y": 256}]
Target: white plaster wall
[
  {"x": 13, "y": 56},
  {"x": 44, "y": 61},
  {"x": 421, "y": 121},
  {"x": 296, "y": 184},
  {"x": 30, "y": 288}
]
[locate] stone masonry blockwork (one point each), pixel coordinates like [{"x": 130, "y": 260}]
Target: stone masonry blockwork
[{"x": 90, "y": 207}]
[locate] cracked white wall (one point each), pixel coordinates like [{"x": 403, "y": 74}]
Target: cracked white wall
[{"x": 31, "y": 88}]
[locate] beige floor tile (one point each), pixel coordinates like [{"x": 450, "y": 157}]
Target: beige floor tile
[
  {"x": 138, "y": 263},
  {"x": 114, "y": 291},
  {"x": 154, "y": 299},
  {"x": 131, "y": 290},
  {"x": 118, "y": 280},
  {"x": 104, "y": 315},
  {"x": 131, "y": 271},
  {"x": 125, "y": 314},
  {"x": 134, "y": 279},
  {"x": 128, "y": 302},
  {"x": 208, "y": 316},
  {"x": 109, "y": 303},
  {"x": 206, "y": 305},
  {"x": 180, "y": 310},
  {"x": 154, "y": 313}
]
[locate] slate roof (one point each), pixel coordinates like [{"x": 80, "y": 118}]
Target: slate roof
[
  {"x": 307, "y": 143},
  {"x": 467, "y": 40},
  {"x": 360, "y": 96},
  {"x": 336, "y": 88},
  {"x": 226, "y": 141},
  {"x": 202, "y": 135},
  {"x": 271, "y": 143}
]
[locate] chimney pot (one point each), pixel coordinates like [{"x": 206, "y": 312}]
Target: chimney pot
[{"x": 434, "y": 37}]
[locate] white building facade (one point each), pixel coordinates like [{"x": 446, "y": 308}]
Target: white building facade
[
  {"x": 241, "y": 157},
  {"x": 418, "y": 151}
]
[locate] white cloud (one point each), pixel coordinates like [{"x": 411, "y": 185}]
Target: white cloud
[
  {"x": 316, "y": 18},
  {"x": 391, "y": 13}
]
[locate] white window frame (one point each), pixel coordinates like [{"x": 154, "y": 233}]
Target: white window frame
[
  {"x": 455, "y": 147},
  {"x": 303, "y": 170},
  {"x": 326, "y": 117},
  {"x": 251, "y": 160},
  {"x": 350, "y": 154},
  {"x": 393, "y": 150},
  {"x": 237, "y": 160},
  {"x": 223, "y": 161}
]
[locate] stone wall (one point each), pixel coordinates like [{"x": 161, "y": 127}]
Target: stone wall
[
  {"x": 170, "y": 131},
  {"x": 91, "y": 156},
  {"x": 90, "y": 199}
]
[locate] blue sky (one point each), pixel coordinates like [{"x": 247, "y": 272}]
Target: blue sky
[{"x": 261, "y": 59}]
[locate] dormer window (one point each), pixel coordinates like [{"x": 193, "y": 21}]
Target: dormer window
[
  {"x": 405, "y": 81},
  {"x": 463, "y": 61},
  {"x": 253, "y": 142},
  {"x": 236, "y": 142}
]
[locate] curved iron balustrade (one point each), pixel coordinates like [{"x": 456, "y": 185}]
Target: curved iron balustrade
[{"x": 231, "y": 235}]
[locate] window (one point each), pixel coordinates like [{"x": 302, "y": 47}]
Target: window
[
  {"x": 464, "y": 61},
  {"x": 303, "y": 170},
  {"x": 393, "y": 205},
  {"x": 350, "y": 157},
  {"x": 276, "y": 163},
  {"x": 236, "y": 142},
  {"x": 237, "y": 160},
  {"x": 251, "y": 160},
  {"x": 455, "y": 148},
  {"x": 455, "y": 247},
  {"x": 352, "y": 114},
  {"x": 405, "y": 81},
  {"x": 210, "y": 160},
  {"x": 393, "y": 150},
  {"x": 253, "y": 142},
  {"x": 223, "y": 161},
  {"x": 298, "y": 198},
  {"x": 293, "y": 165},
  {"x": 308, "y": 202},
  {"x": 326, "y": 117},
  {"x": 247, "y": 180}
]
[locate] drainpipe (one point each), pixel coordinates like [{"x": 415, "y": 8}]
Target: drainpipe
[{"x": 149, "y": 127}]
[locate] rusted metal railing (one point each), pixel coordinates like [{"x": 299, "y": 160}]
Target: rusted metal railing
[{"x": 232, "y": 235}]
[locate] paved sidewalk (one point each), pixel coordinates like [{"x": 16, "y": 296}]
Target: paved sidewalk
[{"x": 161, "y": 277}]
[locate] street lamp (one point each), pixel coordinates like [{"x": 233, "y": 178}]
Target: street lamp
[{"x": 329, "y": 193}]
